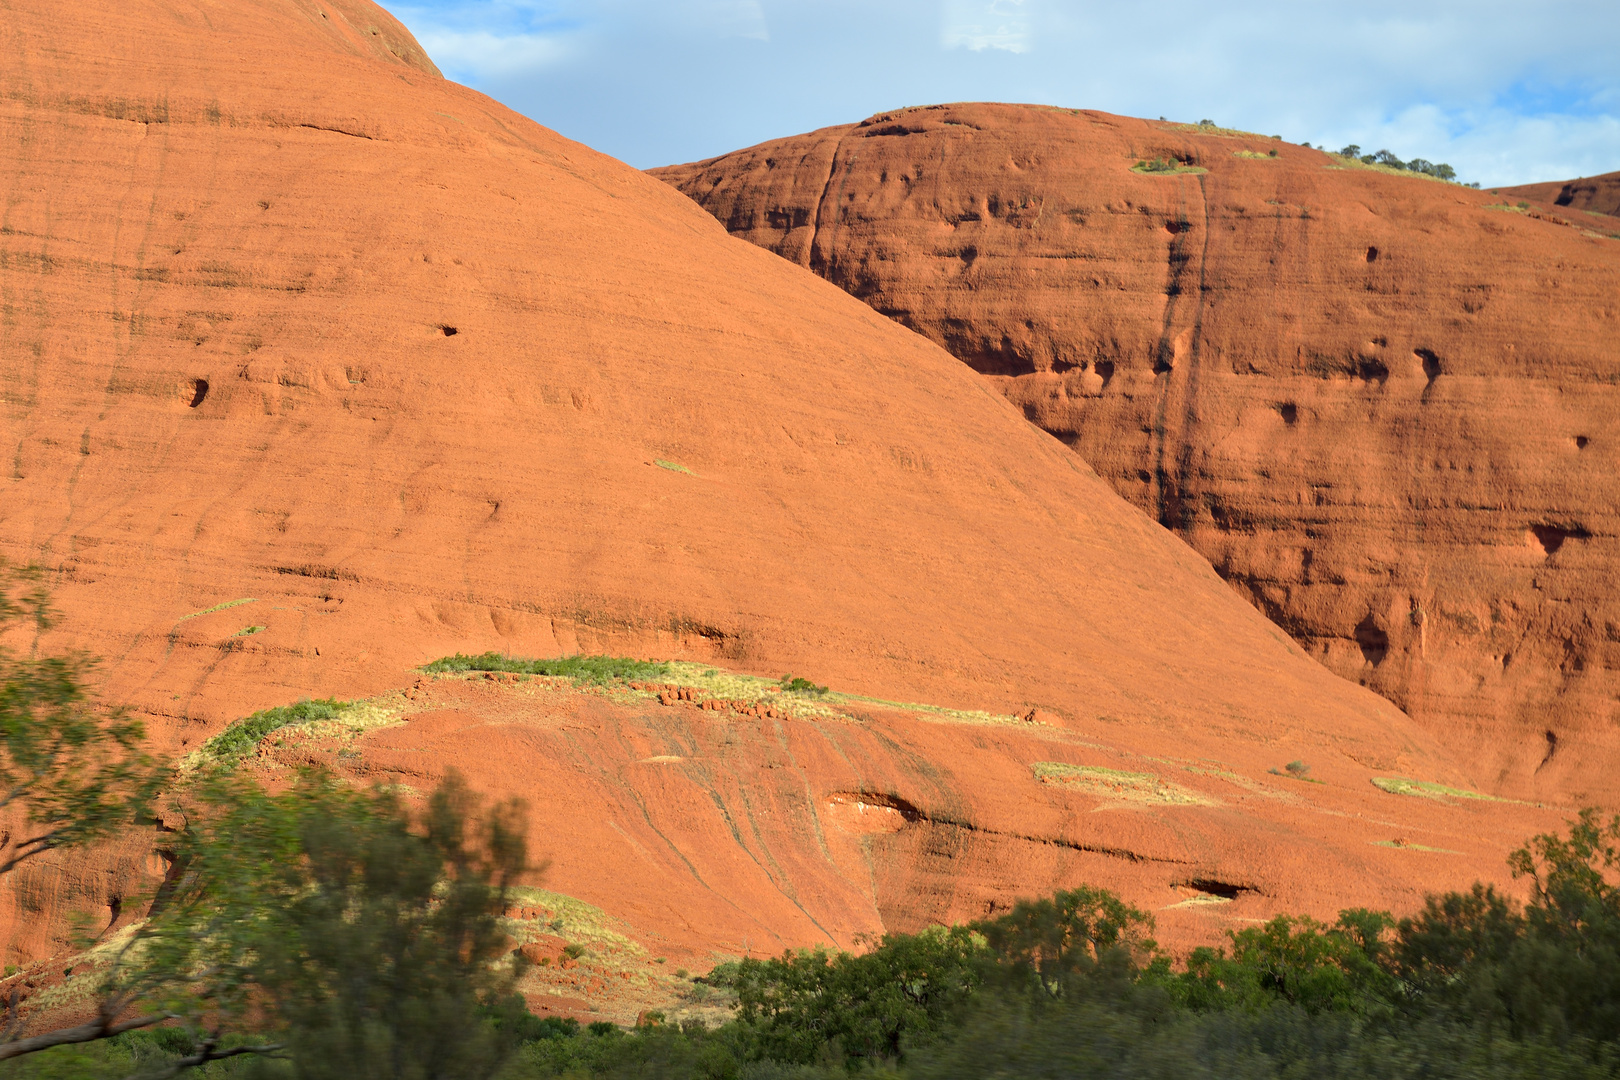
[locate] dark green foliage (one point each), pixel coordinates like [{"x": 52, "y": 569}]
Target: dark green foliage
[
  {"x": 795, "y": 685},
  {"x": 1548, "y": 972},
  {"x": 239, "y": 740},
  {"x": 1293, "y": 961},
  {"x": 1159, "y": 165},
  {"x": 1052, "y": 945},
  {"x": 150, "y": 1052},
  {"x": 1139, "y": 1039},
  {"x": 1472, "y": 988},
  {"x": 805, "y": 1007},
  {"x": 1441, "y": 171},
  {"x": 582, "y": 669},
  {"x": 76, "y": 770},
  {"x": 359, "y": 934}
]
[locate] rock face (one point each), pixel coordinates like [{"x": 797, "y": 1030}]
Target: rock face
[
  {"x": 1593, "y": 194},
  {"x": 717, "y": 828},
  {"x": 1387, "y": 409},
  {"x": 317, "y": 367}
]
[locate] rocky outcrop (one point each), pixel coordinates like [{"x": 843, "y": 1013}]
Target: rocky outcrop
[
  {"x": 1386, "y": 408},
  {"x": 318, "y": 367},
  {"x": 1591, "y": 194}
]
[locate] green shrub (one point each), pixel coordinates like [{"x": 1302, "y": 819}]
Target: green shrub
[
  {"x": 866, "y": 1009},
  {"x": 582, "y": 669},
  {"x": 795, "y": 685},
  {"x": 239, "y": 740},
  {"x": 1159, "y": 165}
]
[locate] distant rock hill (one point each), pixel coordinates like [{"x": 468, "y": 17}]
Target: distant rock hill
[
  {"x": 1593, "y": 194},
  {"x": 317, "y": 367},
  {"x": 1386, "y": 408}
]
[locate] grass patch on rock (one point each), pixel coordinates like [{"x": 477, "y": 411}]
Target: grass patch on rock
[
  {"x": 1211, "y": 128},
  {"x": 242, "y": 737},
  {"x": 1118, "y": 785},
  {"x": 600, "y": 670},
  {"x": 1340, "y": 161},
  {"x": 217, "y": 607},
  {"x": 1424, "y": 789},
  {"x": 1166, "y": 167}
]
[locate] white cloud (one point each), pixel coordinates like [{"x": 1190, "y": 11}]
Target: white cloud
[
  {"x": 483, "y": 54},
  {"x": 986, "y": 24},
  {"x": 1501, "y": 96}
]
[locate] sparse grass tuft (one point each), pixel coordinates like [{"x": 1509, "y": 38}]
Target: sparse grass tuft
[
  {"x": 1209, "y": 127},
  {"x": 237, "y": 741},
  {"x": 673, "y": 467},
  {"x": 1402, "y": 845},
  {"x": 217, "y": 607},
  {"x": 600, "y": 670}
]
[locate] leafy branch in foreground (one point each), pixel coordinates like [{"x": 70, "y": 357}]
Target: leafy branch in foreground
[
  {"x": 362, "y": 935},
  {"x": 77, "y": 771}
]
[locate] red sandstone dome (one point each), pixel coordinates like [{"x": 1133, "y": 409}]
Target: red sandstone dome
[
  {"x": 1386, "y": 408},
  {"x": 317, "y": 367}
]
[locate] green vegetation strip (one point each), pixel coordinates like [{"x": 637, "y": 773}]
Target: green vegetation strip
[
  {"x": 1400, "y": 785},
  {"x": 238, "y": 741},
  {"x": 673, "y": 467},
  {"x": 600, "y": 670},
  {"x": 1165, "y": 167}
]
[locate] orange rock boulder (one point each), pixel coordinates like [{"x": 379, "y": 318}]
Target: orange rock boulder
[
  {"x": 1386, "y": 408},
  {"x": 1590, "y": 194}
]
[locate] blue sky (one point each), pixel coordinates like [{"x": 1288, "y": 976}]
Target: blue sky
[{"x": 1506, "y": 93}]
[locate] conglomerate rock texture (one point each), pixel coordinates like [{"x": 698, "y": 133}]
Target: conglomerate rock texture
[
  {"x": 1386, "y": 408},
  {"x": 317, "y": 367}
]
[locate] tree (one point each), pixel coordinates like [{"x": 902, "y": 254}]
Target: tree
[
  {"x": 864, "y": 1008},
  {"x": 75, "y": 770},
  {"x": 365, "y": 936},
  {"x": 1082, "y": 933},
  {"x": 1295, "y": 960},
  {"x": 1351, "y": 151}
]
